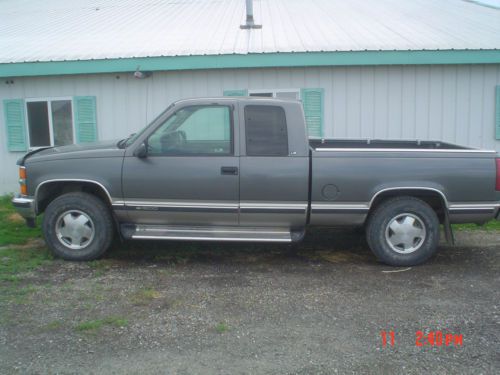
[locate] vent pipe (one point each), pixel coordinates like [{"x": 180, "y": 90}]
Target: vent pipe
[{"x": 250, "y": 23}]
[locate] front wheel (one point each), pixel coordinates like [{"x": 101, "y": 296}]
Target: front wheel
[
  {"x": 403, "y": 231},
  {"x": 78, "y": 226}
]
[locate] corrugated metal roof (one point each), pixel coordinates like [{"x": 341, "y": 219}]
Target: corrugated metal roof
[{"x": 58, "y": 30}]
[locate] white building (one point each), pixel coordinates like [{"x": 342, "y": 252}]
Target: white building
[{"x": 403, "y": 69}]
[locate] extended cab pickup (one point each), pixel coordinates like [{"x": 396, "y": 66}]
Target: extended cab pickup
[{"x": 243, "y": 169}]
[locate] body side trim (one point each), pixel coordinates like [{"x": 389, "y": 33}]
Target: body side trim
[
  {"x": 72, "y": 180},
  {"x": 402, "y": 150},
  {"x": 443, "y": 196}
]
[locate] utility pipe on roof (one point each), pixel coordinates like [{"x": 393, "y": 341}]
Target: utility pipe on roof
[{"x": 250, "y": 23}]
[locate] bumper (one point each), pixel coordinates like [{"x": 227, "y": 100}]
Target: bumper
[{"x": 25, "y": 206}]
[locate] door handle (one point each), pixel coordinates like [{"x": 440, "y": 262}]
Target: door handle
[{"x": 229, "y": 170}]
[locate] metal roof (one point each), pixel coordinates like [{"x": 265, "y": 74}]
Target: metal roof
[{"x": 62, "y": 30}]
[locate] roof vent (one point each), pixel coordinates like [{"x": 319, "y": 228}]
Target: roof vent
[{"x": 250, "y": 23}]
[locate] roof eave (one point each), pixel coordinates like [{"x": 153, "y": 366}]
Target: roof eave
[{"x": 252, "y": 60}]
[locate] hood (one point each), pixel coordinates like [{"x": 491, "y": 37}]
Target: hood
[{"x": 75, "y": 151}]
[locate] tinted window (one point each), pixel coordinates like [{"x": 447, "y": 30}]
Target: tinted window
[
  {"x": 265, "y": 130},
  {"x": 194, "y": 130}
]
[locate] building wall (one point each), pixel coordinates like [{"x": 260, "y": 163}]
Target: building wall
[{"x": 449, "y": 103}]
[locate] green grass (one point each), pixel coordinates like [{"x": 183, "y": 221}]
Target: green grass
[
  {"x": 491, "y": 225},
  {"x": 13, "y": 229},
  {"x": 92, "y": 325},
  {"x": 16, "y": 261}
]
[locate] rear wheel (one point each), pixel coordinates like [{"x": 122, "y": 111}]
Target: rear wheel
[
  {"x": 403, "y": 231},
  {"x": 78, "y": 226}
]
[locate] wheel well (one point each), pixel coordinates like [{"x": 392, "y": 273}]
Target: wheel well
[
  {"x": 431, "y": 197},
  {"x": 51, "y": 190}
]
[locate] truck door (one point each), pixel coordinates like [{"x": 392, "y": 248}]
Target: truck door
[
  {"x": 273, "y": 170},
  {"x": 190, "y": 175}
]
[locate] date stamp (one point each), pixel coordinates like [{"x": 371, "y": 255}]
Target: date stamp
[{"x": 423, "y": 339}]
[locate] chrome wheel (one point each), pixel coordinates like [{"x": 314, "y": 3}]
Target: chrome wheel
[
  {"x": 405, "y": 233},
  {"x": 75, "y": 229}
]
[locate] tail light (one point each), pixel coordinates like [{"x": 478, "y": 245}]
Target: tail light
[
  {"x": 498, "y": 174},
  {"x": 22, "y": 181}
]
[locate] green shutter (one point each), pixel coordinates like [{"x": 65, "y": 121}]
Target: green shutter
[
  {"x": 313, "y": 103},
  {"x": 85, "y": 118},
  {"x": 15, "y": 124},
  {"x": 497, "y": 117},
  {"x": 236, "y": 92}
]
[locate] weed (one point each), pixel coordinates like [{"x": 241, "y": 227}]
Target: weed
[
  {"x": 221, "y": 327},
  {"x": 144, "y": 296},
  {"x": 52, "y": 326},
  {"x": 93, "y": 325}
]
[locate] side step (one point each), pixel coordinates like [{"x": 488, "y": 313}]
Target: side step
[{"x": 174, "y": 232}]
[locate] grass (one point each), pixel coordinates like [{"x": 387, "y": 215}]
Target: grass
[
  {"x": 13, "y": 230},
  {"x": 14, "y": 262},
  {"x": 221, "y": 327},
  {"x": 93, "y": 325},
  {"x": 491, "y": 225}
]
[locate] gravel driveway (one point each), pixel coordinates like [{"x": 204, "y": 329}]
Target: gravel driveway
[{"x": 317, "y": 308}]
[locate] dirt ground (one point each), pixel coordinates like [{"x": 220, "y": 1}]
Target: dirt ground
[{"x": 315, "y": 308}]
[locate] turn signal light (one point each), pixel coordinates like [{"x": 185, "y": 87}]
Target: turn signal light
[{"x": 22, "y": 181}]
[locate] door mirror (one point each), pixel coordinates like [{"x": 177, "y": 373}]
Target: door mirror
[{"x": 141, "y": 151}]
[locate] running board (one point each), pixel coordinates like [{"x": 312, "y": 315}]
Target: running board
[{"x": 174, "y": 232}]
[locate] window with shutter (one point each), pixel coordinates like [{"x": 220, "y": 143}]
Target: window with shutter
[
  {"x": 15, "y": 124},
  {"x": 497, "y": 117},
  {"x": 85, "y": 118},
  {"x": 313, "y": 103}
]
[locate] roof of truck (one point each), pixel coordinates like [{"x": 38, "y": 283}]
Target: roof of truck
[{"x": 109, "y": 30}]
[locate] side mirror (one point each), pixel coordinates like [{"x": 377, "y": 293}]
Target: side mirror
[{"x": 141, "y": 151}]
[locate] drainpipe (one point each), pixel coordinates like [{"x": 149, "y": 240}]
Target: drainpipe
[{"x": 250, "y": 23}]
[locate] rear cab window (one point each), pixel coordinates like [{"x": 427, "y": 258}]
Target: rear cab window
[{"x": 265, "y": 131}]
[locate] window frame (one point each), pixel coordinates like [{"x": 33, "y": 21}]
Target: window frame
[
  {"x": 49, "y": 101},
  {"x": 287, "y": 154},
  {"x": 231, "y": 133},
  {"x": 274, "y": 92}
]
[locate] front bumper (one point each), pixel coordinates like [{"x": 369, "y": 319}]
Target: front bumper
[{"x": 25, "y": 206}]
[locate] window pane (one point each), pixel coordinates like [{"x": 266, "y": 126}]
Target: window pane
[
  {"x": 62, "y": 122},
  {"x": 287, "y": 95},
  {"x": 265, "y": 129},
  {"x": 38, "y": 124},
  {"x": 195, "y": 130},
  {"x": 264, "y": 94}
]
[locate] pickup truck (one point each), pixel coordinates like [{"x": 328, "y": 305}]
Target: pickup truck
[{"x": 243, "y": 169}]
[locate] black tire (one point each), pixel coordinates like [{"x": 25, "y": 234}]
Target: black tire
[
  {"x": 395, "y": 211},
  {"x": 100, "y": 224}
]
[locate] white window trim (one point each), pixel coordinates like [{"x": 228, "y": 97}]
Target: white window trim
[
  {"x": 274, "y": 91},
  {"x": 49, "y": 101}
]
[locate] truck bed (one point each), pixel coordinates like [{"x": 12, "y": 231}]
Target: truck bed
[{"x": 379, "y": 143}]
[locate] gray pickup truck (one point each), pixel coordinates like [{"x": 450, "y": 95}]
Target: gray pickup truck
[{"x": 243, "y": 169}]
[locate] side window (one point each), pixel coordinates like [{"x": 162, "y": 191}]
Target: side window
[
  {"x": 265, "y": 131},
  {"x": 194, "y": 130}
]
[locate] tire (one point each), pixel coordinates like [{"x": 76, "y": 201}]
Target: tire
[
  {"x": 403, "y": 231},
  {"x": 78, "y": 226}
]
